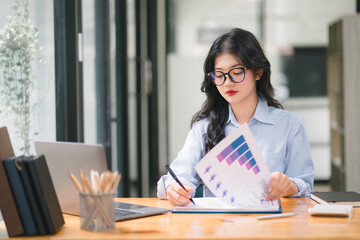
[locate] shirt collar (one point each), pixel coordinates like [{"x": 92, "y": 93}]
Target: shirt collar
[
  {"x": 261, "y": 113},
  {"x": 232, "y": 118}
]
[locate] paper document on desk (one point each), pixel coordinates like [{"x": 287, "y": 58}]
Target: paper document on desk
[
  {"x": 216, "y": 205},
  {"x": 235, "y": 171}
]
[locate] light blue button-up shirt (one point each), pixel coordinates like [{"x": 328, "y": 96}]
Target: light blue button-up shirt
[{"x": 280, "y": 136}]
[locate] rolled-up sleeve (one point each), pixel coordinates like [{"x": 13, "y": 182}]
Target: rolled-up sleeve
[
  {"x": 300, "y": 167},
  {"x": 184, "y": 165}
]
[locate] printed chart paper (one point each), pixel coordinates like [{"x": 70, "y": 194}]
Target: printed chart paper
[{"x": 235, "y": 171}]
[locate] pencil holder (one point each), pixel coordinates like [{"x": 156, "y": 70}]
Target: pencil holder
[{"x": 97, "y": 212}]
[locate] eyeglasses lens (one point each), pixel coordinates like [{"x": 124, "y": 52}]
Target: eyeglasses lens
[{"x": 237, "y": 74}]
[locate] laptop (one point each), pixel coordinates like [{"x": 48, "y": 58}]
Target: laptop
[{"x": 63, "y": 158}]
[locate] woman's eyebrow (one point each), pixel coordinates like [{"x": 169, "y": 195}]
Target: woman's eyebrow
[{"x": 233, "y": 66}]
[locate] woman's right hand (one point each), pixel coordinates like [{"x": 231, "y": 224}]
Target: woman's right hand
[{"x": 177, "y": 196}]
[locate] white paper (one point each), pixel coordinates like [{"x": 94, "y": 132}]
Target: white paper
[
  {"x": 214, "y": 204},
  {"x": 240, "y": 185}
]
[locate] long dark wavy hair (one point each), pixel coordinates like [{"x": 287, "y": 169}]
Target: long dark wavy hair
[{"x": 245, "y": 47}]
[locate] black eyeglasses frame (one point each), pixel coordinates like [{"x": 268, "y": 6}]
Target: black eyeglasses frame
[{"x": 224, "y": 75}]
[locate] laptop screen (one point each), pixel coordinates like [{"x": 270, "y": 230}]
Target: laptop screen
[{"x": 63, "y": 158}]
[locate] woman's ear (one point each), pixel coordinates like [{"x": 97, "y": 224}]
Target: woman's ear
[{"x": 258, "y": 74}]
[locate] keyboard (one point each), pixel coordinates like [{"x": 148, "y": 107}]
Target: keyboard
[{"x": 120, "y": 213}]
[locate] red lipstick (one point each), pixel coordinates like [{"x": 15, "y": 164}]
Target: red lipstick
[{"x": 231, "y": 92}]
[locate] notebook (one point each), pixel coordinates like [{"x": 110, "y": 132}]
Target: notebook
[
  {"x": 216, "y": 205},
  {"x": 342, "y": 198},
  {"x": 65, "y": 157},
  {"x": 8, "y": 207}
]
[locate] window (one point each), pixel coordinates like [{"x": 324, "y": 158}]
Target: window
[{"x": 43, "y": 118}]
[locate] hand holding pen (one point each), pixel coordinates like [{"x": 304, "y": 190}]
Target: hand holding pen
[{"x": 177, "y": 180}]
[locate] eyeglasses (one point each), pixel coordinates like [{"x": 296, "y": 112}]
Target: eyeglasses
[{"x": 236, "y": 75}]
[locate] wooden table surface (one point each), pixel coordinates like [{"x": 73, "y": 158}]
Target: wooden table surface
[{"x": 220, "y": 226}]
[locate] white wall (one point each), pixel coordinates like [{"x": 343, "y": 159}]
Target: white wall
[
  {"x": 191, "y": 15},
  {"x": 185, "y": 97}
]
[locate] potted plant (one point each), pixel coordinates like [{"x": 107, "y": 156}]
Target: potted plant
[{"x": 18, "y": 51}]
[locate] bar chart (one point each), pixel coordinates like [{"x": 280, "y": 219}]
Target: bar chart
[{"x": 235, "y": 171}]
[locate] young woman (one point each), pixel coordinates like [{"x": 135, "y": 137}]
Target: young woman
[{"x": 238, "y": 89}]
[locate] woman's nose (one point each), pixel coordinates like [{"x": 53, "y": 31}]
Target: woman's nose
[{"x": 227, "y": 79}]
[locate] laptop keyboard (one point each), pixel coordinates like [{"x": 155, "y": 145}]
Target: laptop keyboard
[{"x": 120, "y": 213}]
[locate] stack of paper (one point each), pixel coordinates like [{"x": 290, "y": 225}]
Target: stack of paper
[{"x": 331, "y": 210}]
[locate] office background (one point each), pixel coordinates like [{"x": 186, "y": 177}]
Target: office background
[{"x": 127, "y": 74}]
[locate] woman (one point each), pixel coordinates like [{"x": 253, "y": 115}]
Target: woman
[{"x": 238, "y": 89}]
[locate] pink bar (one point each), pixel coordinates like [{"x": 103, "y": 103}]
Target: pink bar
[
  {"x": 256, "y": 169},
  {"x": 248, "y": 165}
]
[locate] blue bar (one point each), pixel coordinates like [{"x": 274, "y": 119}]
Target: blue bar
[
  {"x": 238, "y": 142},
  {"x": 241, "y": 150}
]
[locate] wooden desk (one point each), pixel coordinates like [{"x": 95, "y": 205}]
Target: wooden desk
[{"x": 220, "y": 226}]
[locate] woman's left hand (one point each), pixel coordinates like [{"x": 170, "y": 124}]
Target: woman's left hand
[{"x": 281, "y": 186}]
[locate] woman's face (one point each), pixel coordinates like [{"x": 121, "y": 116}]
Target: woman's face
[{"x": 237, "y": 94}]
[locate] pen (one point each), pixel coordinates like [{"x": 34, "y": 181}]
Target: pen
[
  {"x": 275, "y": 216},
  {"x": 177, "y": 180}
]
